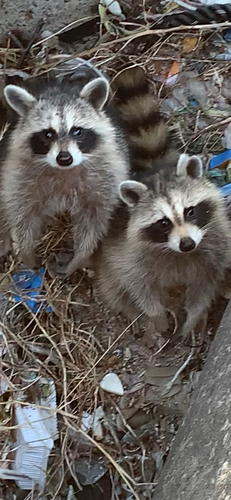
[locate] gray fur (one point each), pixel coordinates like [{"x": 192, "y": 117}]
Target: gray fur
[
  {"x": 96, "y": 92},
  {"x": 135, "y": 274},
  {"x": 19, "y": 99},
  {"x": 33, "y": 190}
]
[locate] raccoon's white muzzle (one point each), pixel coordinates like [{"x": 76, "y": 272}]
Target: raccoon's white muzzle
[
  {"x": 64, "y": 159},
  {"x": 185, "y": 238}
]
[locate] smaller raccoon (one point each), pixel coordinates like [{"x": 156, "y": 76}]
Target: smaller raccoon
[
  {"x": 64, "y": 154},
  {"x": 171, "y": 231}
]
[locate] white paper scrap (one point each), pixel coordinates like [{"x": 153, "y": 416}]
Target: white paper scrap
[{"x": 33, "y": 447}]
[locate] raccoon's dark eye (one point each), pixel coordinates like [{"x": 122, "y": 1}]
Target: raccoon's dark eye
[
  {"x": 165, "y": 222},
  {"x": 76, "y": 131},
  {"x": 41, "y": 142},
  {"x": 49, "y": 133},
  {"x": 201, "y": 214},
  {"x": 190, "y": 212},
  {"x": 159, "y": 231}
]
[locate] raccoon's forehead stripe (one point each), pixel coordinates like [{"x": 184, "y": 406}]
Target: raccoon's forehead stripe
[
  {"x": 56, "y": 121},
  {"x": 162, "y": 208},
  {"x": 77, "y": 117},
  {"x": 45, "y": 119}
]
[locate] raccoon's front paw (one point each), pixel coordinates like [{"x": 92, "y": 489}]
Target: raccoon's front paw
[
  {"x": 75, "y": 264},
  {"x": 58, "y": 266},
  {"x": 180, "y": 329},
  {"x": 161, "y": 322},
  {"x": 31, "y": 261},
  {"x": 225, "y": 287},
  {"x": 5, "y": 245}
]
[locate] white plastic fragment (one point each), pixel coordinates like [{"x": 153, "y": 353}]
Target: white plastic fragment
[
  {"x": 48, "y": 398},
  {"x": 97, "y": 426},
  {"x": 111, "y": 383},
  {"x": 10, "y": 475},
  {"x": 36, "y": 432},
  {"x": 3, "y": 385},
  {"x": 211, "y": 2},
  {"x": 87, "y": 421},
  {"x": 114, "y": 7},
  {"x": 93, "y": 422},
  {"x": 90, "y": 471},
  {"x": 33, "y": 447},
  {"x": 226, "y": 140}
]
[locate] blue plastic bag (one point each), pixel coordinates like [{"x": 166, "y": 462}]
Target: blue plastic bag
[{"x": 27, "y": 287}]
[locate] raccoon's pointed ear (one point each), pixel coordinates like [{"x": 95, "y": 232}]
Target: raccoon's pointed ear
[
  {"x": 131, "y": 192},
  {"x": 19, "y": 99},
  {"x": 189, "y": 165},
  {"x": 96, "y": 92}
]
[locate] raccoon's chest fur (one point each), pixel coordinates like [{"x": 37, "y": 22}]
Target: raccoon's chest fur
[
  {"x": 168, "y": 271},
  {"x": 59, "y": 191}
]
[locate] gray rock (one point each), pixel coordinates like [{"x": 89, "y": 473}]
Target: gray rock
[{"x": 24, "y": 14}]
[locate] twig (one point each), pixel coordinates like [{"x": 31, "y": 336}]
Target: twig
[{"x": 28, "y": 47}]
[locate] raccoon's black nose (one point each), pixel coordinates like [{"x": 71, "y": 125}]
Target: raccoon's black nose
[
  {"x": 64, "y": 159},
  {"x": 187, "y": 244}
]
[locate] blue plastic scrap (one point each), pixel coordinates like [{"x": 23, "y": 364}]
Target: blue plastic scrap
[
  {"x": 27, "y": 287},
  {"x": 227, "y": 35},
  {"x": 193, "y": 102},
  {"x": 221, "y": 162}
]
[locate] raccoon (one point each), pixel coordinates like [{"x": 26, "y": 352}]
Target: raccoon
[
  {"x": 171, "y": 230},
  {"x": 5, "y": 238},
  {"x": 65, "y": 153},
  {"x": 145, "y": 128}
]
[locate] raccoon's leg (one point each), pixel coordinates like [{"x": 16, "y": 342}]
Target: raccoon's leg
[
  {"x": 26, "y": 233},
  {"x": 150, "y": 304},
  {"x": 5, "y": 242},
  {"x": 5, "y": 234},
  {"x": 197, "y": 306},
  {"x": 225, "y": 287},
  {"x": 86, "y": 230}
]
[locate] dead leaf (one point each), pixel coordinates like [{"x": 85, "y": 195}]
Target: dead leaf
[
  {"x": 154, "y": 372},
  {"x": 140, "y": 418},
  {"x": 172, "y": 75},
  {"x": 189, "y": 44}
]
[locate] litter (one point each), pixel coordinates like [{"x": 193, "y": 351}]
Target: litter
[
  {"x": 89, "y": 472},
  {"x": 173, "y": 74},
  {"x": 114, "y": 8},
  {"x": 36, "y": 432},
  {"x": 112, "y": 383},
  {"x": 219, "y": 171},
  {"x": 27, "y": 287},
  {"x": 211, "y": 2},
  {"x": 93, "y": 422},
  {"x": 33, "y": 448},
  {"x": 227, "y": 35},
  {"x": 226, "y": 140}
]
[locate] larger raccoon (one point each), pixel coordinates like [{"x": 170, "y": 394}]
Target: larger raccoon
[
  {"x": 170, "y": 231},
  {"x": 147, "y": 136},
  {"x": 64, "y": 153}
]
